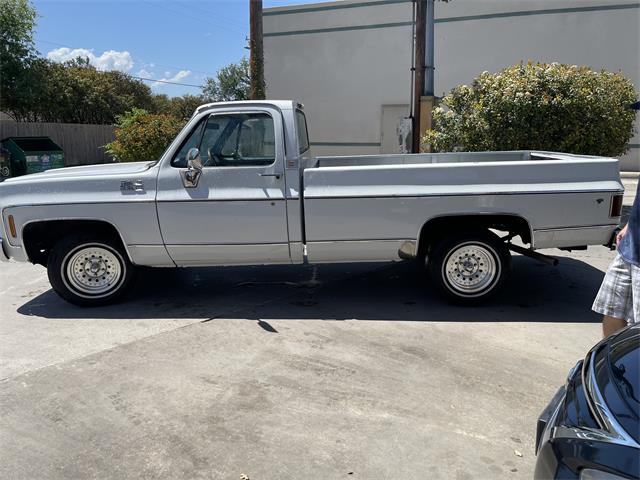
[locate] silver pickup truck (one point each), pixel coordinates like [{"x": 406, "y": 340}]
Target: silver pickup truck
[{"x": 238, "y": 186}]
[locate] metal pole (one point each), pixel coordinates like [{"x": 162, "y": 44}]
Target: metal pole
[
  {"x": 418, "y": 72},
  {"x": 413, "y": 63},
  {"x": 256, "y": 59},
  {"x": 428, "y": 54}
]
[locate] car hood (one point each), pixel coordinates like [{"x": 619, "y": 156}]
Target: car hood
[{"x": 108, "y": 169}]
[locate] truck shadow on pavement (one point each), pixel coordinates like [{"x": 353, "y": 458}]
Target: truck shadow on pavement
[{"x": 364, "y": 291}]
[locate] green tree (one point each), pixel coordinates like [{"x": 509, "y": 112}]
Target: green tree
[
  {"x": 160, "y": 103},
  {"x": 36, "y": 89},
  {"x": 17, "y": 20},
  {"x": 230, "y": 83},
  {"x": 143, "y": 136},
  {"x": 76, "y": 92},
  {"x": 537, "y": 106},
  {"x": 180, "y": 107}
]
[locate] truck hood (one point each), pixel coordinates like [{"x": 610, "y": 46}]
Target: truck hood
[
  {"x": 108, "y": 169},
  {"x": 87, "y": 184}
]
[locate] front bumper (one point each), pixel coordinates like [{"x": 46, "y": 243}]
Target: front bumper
[
  {"x": 548, "y": 465},
  {"x": 546, "y": 420}
]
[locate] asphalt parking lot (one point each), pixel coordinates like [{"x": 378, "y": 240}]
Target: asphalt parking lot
[{"x": 329, "y": 372}]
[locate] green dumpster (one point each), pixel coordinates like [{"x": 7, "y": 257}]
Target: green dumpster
[
  {"x": 5, "y": 168},
  {"x": 32, "y": 154}
]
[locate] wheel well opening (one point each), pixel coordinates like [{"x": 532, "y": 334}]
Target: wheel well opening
[
  {"x": 436, "y": 228},
  {"x": 40, "y": 237}
]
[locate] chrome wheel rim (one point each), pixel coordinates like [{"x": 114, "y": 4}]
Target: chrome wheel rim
[
  {"x": 93, "y": 270},
  {"x": 471, "y": 268}
]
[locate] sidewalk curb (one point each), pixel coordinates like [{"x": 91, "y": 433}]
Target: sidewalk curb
[{"x": 630, "y": 175}]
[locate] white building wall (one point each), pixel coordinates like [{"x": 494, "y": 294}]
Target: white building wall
[{"x": 345, "y": 60}]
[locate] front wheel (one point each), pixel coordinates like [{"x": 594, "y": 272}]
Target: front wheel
[
  {"x": 89, "y": 271},
  {"x": 469, "y": 268}
]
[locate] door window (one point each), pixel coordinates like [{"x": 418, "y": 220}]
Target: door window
[
  {"x": 232, "y": 140},
  {"x": 238, "y": 140}
]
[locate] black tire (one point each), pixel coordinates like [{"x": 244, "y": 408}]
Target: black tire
[
  {"x": 72, "y": 276},
  {"x": 477, "y": 274}
]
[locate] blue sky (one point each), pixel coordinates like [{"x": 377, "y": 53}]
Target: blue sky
[{"x": 183, "y": 41}]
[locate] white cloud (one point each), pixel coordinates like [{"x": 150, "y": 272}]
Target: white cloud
[
  {"x": 109, "y": 60},
  {"x": 147, "y": 72},
  {"x": 178, "y": 77},
  {"x": 181, "y": 75}
]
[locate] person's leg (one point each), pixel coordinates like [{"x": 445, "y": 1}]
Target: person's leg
[
  {"x": 612, "y": 325},
  {"x": 614, "y": 300},
  {"x": 635, "y": 294}
]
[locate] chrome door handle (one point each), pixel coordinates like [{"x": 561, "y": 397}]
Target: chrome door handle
[{"x": 277, "y": 175}]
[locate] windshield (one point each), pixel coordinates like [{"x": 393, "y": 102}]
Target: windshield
[
  {"x": 624, "y": 357},
  {"x": 618, "y": 377}
]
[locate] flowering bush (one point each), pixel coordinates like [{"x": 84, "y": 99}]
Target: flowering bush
[
  {"x": 537, "y": 106},
  {"x": 143, "y": 136}
]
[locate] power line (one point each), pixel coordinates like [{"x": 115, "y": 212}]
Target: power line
[
  {"x": 165, "y": 81},
  {"x": 230, "y": 28},
  {"x": 227, "y": 20}
]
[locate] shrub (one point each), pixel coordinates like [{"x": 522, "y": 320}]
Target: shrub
[
  {"x": 537, "y": 106},
  {"x": 143, "y": 136}
]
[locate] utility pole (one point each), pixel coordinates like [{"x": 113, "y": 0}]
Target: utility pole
[
  {"x": 418, "y": 70},
  {"x": 423, "y": 96},
  {"x": 256, "y": 55}
]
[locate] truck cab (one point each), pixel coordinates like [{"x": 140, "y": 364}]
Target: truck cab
[{"x": 248, "y": 171}]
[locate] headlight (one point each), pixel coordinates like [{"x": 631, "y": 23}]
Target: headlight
[{"x": 589, "y": 474}]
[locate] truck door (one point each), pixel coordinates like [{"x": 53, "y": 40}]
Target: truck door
[{"x": 236, "y": 212}]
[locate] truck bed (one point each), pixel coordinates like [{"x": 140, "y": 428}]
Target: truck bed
[
  {"x": 459, "y": 174},
  {"x": 384, "y": 200}
]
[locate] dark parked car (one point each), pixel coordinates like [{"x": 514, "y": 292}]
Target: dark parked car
[{"x": 591, "y": 428}]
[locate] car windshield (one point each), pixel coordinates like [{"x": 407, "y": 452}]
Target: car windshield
[
  {"x": 619, "y": 378},
  {"x": 624, "y": 357}
]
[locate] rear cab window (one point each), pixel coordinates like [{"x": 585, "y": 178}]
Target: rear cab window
[{"x": 303, "y": 134}]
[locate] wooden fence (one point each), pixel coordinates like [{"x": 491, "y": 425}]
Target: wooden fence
[{"x": 82, "y": 144}]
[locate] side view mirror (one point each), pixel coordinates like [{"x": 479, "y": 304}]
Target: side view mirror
[
  {"x": 194, "y": 162},
  {"x": 191, "y": 175}
]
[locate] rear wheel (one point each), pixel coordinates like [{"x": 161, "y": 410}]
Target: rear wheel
[
  {"x": 89, "y": 271},
  {"x": 469, "y": 268}
]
